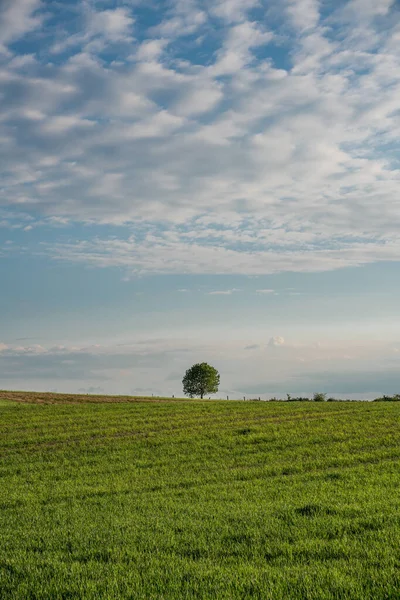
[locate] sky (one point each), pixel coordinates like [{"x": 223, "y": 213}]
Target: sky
[{"x": 200, "y": 180}]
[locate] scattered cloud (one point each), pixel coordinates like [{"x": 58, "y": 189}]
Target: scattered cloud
[
  {"x": 126, "y": 368},
  {"x": 199, "y": 115},
  {"x": 304, "y": 14},
  {"x": 171, "y": 252},
  {"x": 114, "y": 24},
  {"x": 77, "y": 363},
  {"x": 18, "y": 17},
  {"x": 223, "y": 292},
  {"x": 233, "y": 137},
  {"x": 384, "y": 381}
]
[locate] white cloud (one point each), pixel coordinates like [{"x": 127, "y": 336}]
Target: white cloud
[
  {"x": 235, "y": 53},
  {"x": 113, "y": 24},
  {"x": 184, "y": 18},
  {"x": 276, "y": 341},
  {"x": 223, "y": 292},
  {"x": 367, "y": 9},
  {"x": 62, "y": 123},
  {"x": 158, "y": 125},
  {"x": 295, "y": 167},
  {"x": 97, "y": 29},
  {"x": 303, "y": 13},
  {"x": 25, "y": 350},
  {"x": 150, "y": 50},
  {"x": 127, "y": 367},
  {"x": 171, "y": 253},
  {"x": 33, "y": 115},
  {"x": 201, "y": 98},
  {"x": 19, "y": 62},
  {"x": 232, "y": 11},
  {"x": 18, "y": 17}
]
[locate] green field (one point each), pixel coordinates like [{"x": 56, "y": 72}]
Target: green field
[{"x": 163, "y": 500}]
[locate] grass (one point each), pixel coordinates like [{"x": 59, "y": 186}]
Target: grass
[
  {"x": 190, "y": 499},
  {"x": 57, "y": 398}
]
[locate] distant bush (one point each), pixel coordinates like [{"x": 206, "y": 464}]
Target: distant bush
[
  {"x": 297, "y": 398},
  {"x": 320, "y": 397},
  {"x": 394, "y": 398},
  {"x": 341, "y": 400}
]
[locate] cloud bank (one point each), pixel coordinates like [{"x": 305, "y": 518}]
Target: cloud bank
[
  {"x": 158, "y": 365},
  {"x": 237, "y": 136}
]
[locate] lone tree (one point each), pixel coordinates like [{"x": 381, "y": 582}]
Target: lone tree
[{"x": 200, "y": 379}]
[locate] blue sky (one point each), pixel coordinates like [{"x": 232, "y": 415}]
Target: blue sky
[{"x": 189, "y": 180}]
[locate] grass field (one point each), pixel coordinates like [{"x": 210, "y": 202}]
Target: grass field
[{"x": 190, "y": 499}]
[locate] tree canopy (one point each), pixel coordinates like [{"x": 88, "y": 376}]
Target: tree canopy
[{"x": 200, "y": 379}]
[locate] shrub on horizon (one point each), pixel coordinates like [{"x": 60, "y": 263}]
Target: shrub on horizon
[{"x": 394, "y": 398}]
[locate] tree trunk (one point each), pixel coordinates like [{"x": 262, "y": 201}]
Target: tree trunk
[{"x": 201, "y": 395}]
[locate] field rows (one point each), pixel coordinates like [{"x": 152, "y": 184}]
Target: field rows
[{"x": 199, "y": 500}]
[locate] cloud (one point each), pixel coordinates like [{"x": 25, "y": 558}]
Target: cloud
[
  {"x": 18, "y": 17},
  {"x": 284, "y": 138},
  {"x": 303, "y": 13},
  {"x": 276, "y": 341},
  {"x": 158, "y": 125},
  {"x": 185, "y": 17},
  {"x": 127, "y": 367},
  {"x": 266, "y": 291},
  {"x": 384, "y": 381},
  {"x": 171, "y": 252},
  {"x": 97, "y": 363},
  {"x": 223, "y": 292},
  {"x": 61, "y": 124},
  {"x": 236, "y": 51},
  {"x": 367, "y": 9},
  {"x": 91, "y": 390},
  {"x": 114, "y": 24},
  {"x": 150, "y": 50},
  {"x": 232, "y": 11},
  {"x": 97, "y": 29},
  {"x": 303, "y": 369}
]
